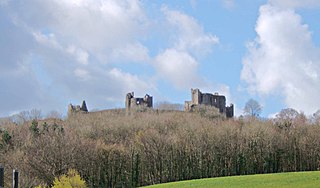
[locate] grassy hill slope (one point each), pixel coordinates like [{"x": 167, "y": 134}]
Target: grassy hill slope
[{"x": 293, "y": 179}]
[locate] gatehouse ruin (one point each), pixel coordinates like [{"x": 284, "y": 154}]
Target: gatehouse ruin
[{"x": 138, "y": 103}]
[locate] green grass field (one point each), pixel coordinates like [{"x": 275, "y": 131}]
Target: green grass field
[{"x": 289, "y": 180}]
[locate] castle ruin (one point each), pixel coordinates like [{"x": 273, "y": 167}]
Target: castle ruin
[
  {"x": 77, "y": 108},
  {"x": 142, "y": 104},
  {"x": 208, "y": 99},
  {"x": 138, "y": 103}
]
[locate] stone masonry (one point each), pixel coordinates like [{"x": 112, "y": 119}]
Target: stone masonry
[
  {"x": 208, "y": 99},
  {"x": 77, "y": 108},
  {"x": 138, "y": 103}
]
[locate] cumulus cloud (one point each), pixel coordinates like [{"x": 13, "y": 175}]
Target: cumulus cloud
[
  {"x": 18, "y": 83},
  {"x": 134, "y": 52},
  {"x": 190, "y": 35},
  {"x": 295, "y": 3},
  {"x": 80, "y": 55},
  {"x": 96, "y": 26},
  {"x": 189, "y": 43},
  {"x": 54, "y": 52},
  {"x": 283, "y": 58},
  {"x": 174, "y": 65}
]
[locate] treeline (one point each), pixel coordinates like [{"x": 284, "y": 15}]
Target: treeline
[{"x": 112, "y": 149}]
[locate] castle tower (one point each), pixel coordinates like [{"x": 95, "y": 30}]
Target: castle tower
[
  {"x": 148, "y": 100},
  {"x": 196, "y": 96},
  {"x": 70, "y": 109},
  {"x": 84, "y": 106},
  {"x": 138, "y": 103},
  {"x": 209, "y": 99},
  {"x": 129, "y": 96},
  {"x": 73, "y": 109}
]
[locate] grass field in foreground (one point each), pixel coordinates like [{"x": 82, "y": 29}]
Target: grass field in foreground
[{"x": 292, "y": 180}]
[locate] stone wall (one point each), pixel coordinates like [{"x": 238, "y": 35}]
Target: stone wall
[
  {"x": 216, "y": 100},
  {"x": 138, "y": 103},
  {"x": 77, "y": 108}
]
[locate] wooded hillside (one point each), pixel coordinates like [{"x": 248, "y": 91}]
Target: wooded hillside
[{"x": 112, "y": 149}]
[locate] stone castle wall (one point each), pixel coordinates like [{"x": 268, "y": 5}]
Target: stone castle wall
[
  {"x": 77, "y": 108},
  {"x": 197, "y": 98},
  {"x": 138, "y": 103},
  {"x": 208, "y": 99}
]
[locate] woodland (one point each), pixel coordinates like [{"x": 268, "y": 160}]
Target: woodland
[{"x": 115, "y": 149}]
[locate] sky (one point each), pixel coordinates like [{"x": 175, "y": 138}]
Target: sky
[{"x": 56, "y": 52}]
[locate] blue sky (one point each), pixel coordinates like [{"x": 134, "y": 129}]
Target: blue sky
[{"x": 57, "y": 52}]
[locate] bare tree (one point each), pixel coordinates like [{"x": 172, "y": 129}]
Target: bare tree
[
  {"x": 25, "y": 116},
  {"x": 252, "y": 108},
  {"x": 35, "y": 114},
  {"x": 151, "y": 148},
  {"x": 287, "y": 114},
  {"x": 21, "y": 117},
  {"x": 54, "y": 114},
  {"x": 316, "y": 117},
  {"x": 286, "y": 117}
]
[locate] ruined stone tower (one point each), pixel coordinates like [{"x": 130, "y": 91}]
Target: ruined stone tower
[
  {"x": 208, "y": 99},
  {"x": 77, "y": 108},
  {"x": 138, "y": 103}
]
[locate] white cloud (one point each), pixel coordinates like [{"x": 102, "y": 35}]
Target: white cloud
[
  {"x": 179, "y": 63},
  {"x": 179, "y": 68},
  {"x": 47, "y": 40},
  {"x": 69, "y": 50},
  {"x": 72, "y": 43},
  {"x": 82, "y": 74},
  {"x": 190, "y": 35},
  {"x": 131, "y": 52},
  {"x": 283, "y": 59},
  {"x": 295, "y": 3},
  {"x": 80, "y": 55},
  {"x": 94, "y": 26},
  {"x": 19, "y": 86},
  {"x": 131, "y": 82}
]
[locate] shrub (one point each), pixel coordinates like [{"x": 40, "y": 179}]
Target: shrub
[{"x": 72, "y": 179}]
